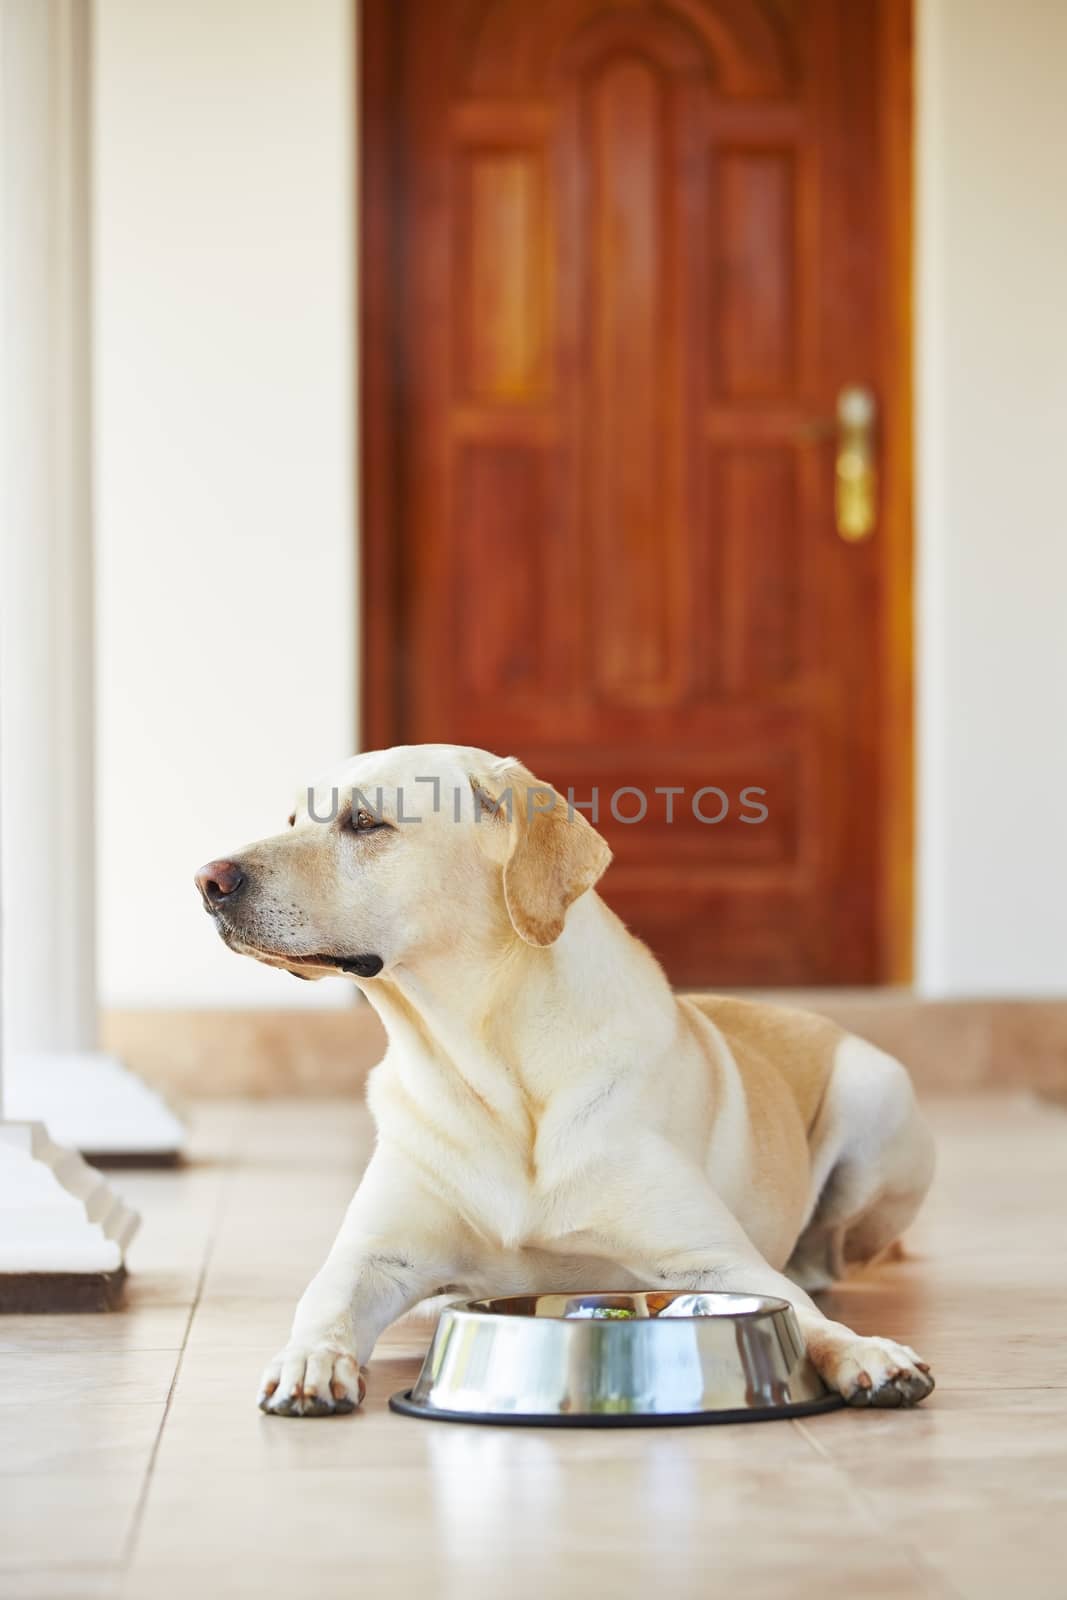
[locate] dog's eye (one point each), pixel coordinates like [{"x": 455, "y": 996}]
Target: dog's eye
[
  {"x": 365, "y": 821},
  {"x": 292, "y": 819}
]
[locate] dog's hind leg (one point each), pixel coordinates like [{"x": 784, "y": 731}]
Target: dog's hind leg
[
  {"x": 873, "y": 1160},
  {"x": 682, "y": 1235}
]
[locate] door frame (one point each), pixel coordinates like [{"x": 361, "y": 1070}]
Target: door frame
[{"x": 382, "y": 662}]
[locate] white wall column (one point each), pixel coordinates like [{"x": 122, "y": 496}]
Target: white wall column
[
  {"x": 63, "y": 1231},
  {"x": 46, "y": 656}
]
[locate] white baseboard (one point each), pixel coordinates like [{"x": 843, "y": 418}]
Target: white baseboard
[
  {"x": 58, "y": 1216},
  {"x": 90, "y": 1102}
]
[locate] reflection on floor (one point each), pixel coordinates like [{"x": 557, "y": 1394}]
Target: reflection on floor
[{"x": 133, "y": 1461}]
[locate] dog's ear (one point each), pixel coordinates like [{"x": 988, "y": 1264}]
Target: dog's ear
[{"x": 554, "y": 855}]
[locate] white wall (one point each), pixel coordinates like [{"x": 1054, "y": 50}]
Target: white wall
[
  {"x": 46, "y": 692},
  {"x": 225, "y": 473},
  {"x": 224, "y": 493},
  {"x": 992, "y": 524}
]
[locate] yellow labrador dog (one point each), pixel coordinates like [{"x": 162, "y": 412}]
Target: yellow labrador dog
[{"x": 550, "y": 1116}]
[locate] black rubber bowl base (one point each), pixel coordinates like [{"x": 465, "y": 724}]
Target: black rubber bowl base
[{"x": 407, "y": 1407}]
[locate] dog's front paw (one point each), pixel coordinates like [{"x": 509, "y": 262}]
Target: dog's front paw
[
  {"x": 311, "y": 1381},
  {"x": 873, "y": 1372}
]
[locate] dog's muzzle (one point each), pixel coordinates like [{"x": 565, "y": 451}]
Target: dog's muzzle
[{"x": 220, "y": 884}]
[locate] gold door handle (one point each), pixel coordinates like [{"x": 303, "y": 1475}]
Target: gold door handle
[{"x": 856, "y": 475}]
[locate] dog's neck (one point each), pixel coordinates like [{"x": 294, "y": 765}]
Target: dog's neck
[{"x": 526, "y": 1022}]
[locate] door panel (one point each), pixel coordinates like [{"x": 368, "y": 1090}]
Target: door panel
[{"x": 634, "y": 252}]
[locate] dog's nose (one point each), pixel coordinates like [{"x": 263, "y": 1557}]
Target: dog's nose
[{"x": 218, "y": 881}]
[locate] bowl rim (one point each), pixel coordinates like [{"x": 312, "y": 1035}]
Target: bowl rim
[{"x": 769, "y": 1305}]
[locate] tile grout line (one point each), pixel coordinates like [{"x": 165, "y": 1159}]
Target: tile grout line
[
  {"x": 916, "y": 1560},
  {"x": 129, "y": 1549}
]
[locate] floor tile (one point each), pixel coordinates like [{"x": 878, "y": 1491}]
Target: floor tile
[
  {"x": 83, "y": 1582},
  {"x": 961, "y": 1497},
  {"x": 76, "y": 1440},
  {"x": 144, "y": 1328},
  {"x": 54, "y": 1378},
  {"x": 63, "y": 1521}
]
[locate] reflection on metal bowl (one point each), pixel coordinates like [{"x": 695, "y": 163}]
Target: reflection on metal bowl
[{"x": 617, "y": 1360}]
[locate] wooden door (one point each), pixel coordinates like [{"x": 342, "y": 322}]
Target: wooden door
[{"x": 619, "y": 258}]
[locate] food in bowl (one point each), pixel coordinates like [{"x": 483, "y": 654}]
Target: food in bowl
[{"x": 602, "y": 1313}]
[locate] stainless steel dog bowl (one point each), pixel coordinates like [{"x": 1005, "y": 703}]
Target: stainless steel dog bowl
[{"x": 617, "y": 1360}]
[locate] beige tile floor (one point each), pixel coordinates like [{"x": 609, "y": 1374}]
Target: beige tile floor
[{"x": 133, "y": 1462}]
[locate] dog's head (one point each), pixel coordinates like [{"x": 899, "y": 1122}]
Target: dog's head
[{"x": 416, "y": 849}]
